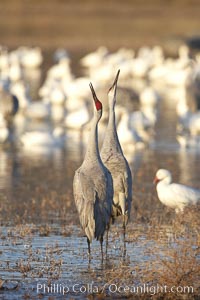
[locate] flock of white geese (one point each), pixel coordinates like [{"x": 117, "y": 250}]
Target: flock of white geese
[
  {"x": 60, "y": 112},
  {"x": 62, "y": 101}
]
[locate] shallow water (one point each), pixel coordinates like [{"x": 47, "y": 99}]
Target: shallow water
[{"x": 41, "y": 241}]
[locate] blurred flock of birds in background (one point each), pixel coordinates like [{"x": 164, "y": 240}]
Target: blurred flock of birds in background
[{"x": 59, "y": 112}]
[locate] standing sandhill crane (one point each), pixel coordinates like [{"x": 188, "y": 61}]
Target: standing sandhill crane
[
  {"x": 115, "y": 161},
  {"x": 92, "y": 186}
]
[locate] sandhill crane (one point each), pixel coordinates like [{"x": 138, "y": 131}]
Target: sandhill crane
[
  {"x": 92, "y": 186},
  {"x": 174, "y": 195},
  {"x": 115, "y": 161}
]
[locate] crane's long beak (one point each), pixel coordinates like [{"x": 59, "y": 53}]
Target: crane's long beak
[
  {"x": 93, "y": 93},
  {"x": 97, "y": 103},
  {"x": 115, "y": 82}
]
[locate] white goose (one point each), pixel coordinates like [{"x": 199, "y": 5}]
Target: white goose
[
  {"x": 174, "y": 195},
  {"x": 144, "y": 118},
  {"x": 15, "y": 70},
  {"x": 57, "y": 95},
  {"x": 31, "y": 57},
  {"x": 149, "y": 97},
  {"x": 128, "y": 136},
  {"x": 94, "y": 59},
  {"x": 78, "y": 117},
  {"x": 43, "y": 139},
  {"x": 194, "y": 124},
  {"x": 187, "y": 119},
  {"x": 61, "y": 69},
  {"x": 188, "y": 141},
  {"x": 38, "y": 110},
  {"x": 20, "y": 90}
]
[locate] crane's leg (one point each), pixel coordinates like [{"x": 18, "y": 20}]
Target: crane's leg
[
  {"x": 107, "y": 241},
  {"x": 101, "y": 243},
  {"x": 124, "y": 233},
  {"x": 107, "y": 231},
  {"x": 88, "y": 242},
  {"x": 124, "y": 226}
]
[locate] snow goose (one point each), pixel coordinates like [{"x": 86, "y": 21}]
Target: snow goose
[
  {"x": 15, "y": 70},
  {"x": 187, "y": 120},
  {"x": 184, "y": 56},
  {"x": 77, "y": 118},
  {"x": 194, "y": 124},
  {"x": 174, "y": 195},
  {"x": 149, "y": 97},
  {"x": 61, "y": 69},
  {"x": 38, "y": 110},
  {"x": 60, "y": 53},
  {"x": 143, "y": 119},
  {"x": 94, "y": 59},
  {"x": 20, "y": 90},
  {"x": 43, "y": 139},
  {"x": 188, "y": 141},
  {"x": 58, "y": 113},
  {"x": 128, "y": 136},
  {"x": 31, "y": 57},
  {"x": 57, "y": 95}
]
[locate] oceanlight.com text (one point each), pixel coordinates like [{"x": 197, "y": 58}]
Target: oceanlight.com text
[{"x": 112, "y": 288}]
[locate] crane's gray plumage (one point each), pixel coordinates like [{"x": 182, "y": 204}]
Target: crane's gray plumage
[
  {"x": 92, "y": 185},
  {"x": 113, "y": 158}
]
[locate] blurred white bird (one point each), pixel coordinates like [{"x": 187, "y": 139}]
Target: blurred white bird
[
  {"x": 188, "y": 141},
  {"x": 174, "y": 195},
  {"x": 94, "y": 59},
  {"x": 77, "y": 118},
  {"x": 149, "y": 97},
  {"x": 31, "y": 57},
  {"x": 43, "y": 139},
  {"x": 128, "y": 136},
  {"x": 38, "y": 110}
]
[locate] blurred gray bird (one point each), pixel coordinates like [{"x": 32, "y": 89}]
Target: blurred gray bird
[{"x": 9, "y": 104}]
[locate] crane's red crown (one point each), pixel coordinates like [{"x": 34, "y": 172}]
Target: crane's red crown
[{"x": 98, "y": 105}]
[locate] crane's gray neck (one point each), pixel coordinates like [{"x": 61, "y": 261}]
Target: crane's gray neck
[
  {"x": 92, "y": 152},
  {"x": 111, "y": 141}
]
